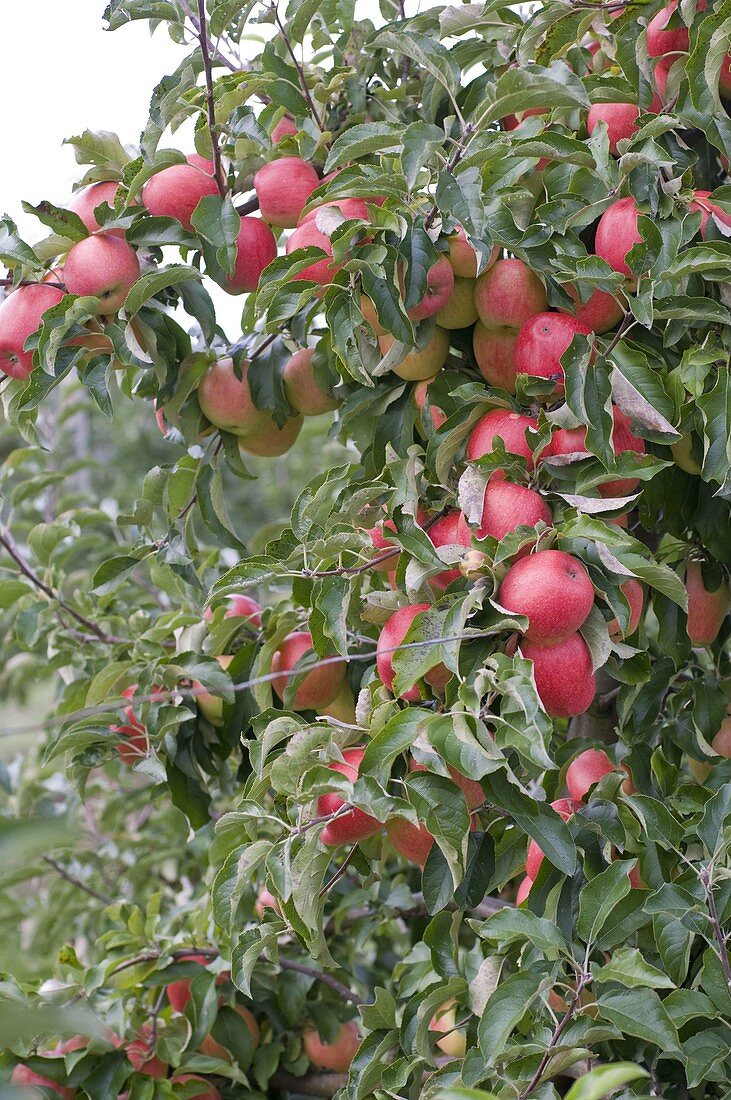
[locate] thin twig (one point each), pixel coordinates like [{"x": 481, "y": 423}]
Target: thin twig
[
  {"x": 300, "y": 71},
  {"x": 718, "y": 932},
  {"x": 248, "y": 207},
  {"x": 326, "y": 979},
  {"x": 78, "y": 882},
  {"x": 210, "y": 100},
  {"x": 459, "y": 151},
  {"x": 582, "y": 980},
  {"x": 324, "y": 1085},
  {"x": 340, "y": 871}
]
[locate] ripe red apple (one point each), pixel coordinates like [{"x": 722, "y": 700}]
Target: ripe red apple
[
  {"x": 283, "y": 187},
  {"x": 701, "y": 204},
  {"x": 459, "y": 311},
  {"x": 565, "y": 808},
  {"x": 541, "y": 343},
  {"x": 321, "y": 271},
  {"x": 176, "y": 191},
  {"x": 103, "y": 266},
  {"x": 21, "y": 1075},
  {"x": 178, "y": 993},
  {"x": 706, "y": 608},
  {"x": 620, "y": 118},
  {"x": 563, "y": 674},
  {"x": 494, "y": 350},
  {"x": 213, "y": 1049},
  {"x": 617, "y": 233},
  {"x": 463, "y": 257},
  {"x": 599, "y": 313},
  {"x": 661, "y": 39},
  {"x": 470, "y": 788},
  {"x": 523, "y": 890},
  {"x": 141, "y": 1053},
  {"x": 207, "y": 1090},
  {"x": 85, "y": 202},
  {"x": 553, "y": 589},
  {"x": 226, "y": 399},
  {"x": 319, "y": 687},
  {"x": 256, "y": 248},
  {"x": 453, "y": 1043},
  {"x": 337, "y": 1055},
  {"x": 301, "y": 387},
  {"x": 381, "y": 545},
  {"x": 587, "y": 769},
  {"x": 353, "y": 825},
  {"x": 412, "y": 842},
  {"x": 438, "y": 416},
  {"x": 240, "y": 606},
  {"x": 439, "y": 288},
  {"x": 20, "y": 315},
  {"x": 350, "y": 209},
  {"x": 392, "y": 634},
  {"x": 270, "y": 441},
  {"x": 420, "y": 363},
  {"x": 505, "y": 425},
  {"x": 285, "y": 126},
  {"x": 266, "y": 900},
  {"x": 135, "y": 745},
  {"x": 509, "y": 293},
  {"x": 566, "y": 441},
  {"x": 508, "y": 506},
  {"x": 634, "y": 593},
  {"x": 448, "y": 530}
]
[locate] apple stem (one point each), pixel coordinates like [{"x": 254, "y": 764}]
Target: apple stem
[{"x": 210, "y": 101}]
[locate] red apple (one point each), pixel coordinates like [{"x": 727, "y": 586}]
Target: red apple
[
  {"x": 505, "y": 425},
  {"x": 318, "y": 687},
  {"x": 565, "y": 808},
  {"x": 256, "y": 248},
  {"x": 270, "y": 440},
  {"x": 523, "y": 890},
  {"x": 285, "y": 126},
  {"x": 321, "y": 271},
  {"x": 283, "y": 187},
  {"x": 351, "y": 209},
  {"x": 21, "y": 1075},
  {"x": 454, "y": 1042},
  {"x": 701, "y": 204},
  {"x": 266, "y": 900},
  {"x": 564, "y": 675},
  {"x": 437, "y": 415},
  {"x": 176, "y": 191},
  {"x": 240, "y": 606},
  {"x": 599, "y": 313},
  {"x": 553, "y": 590},
  {"x": 507, "y": 506},
  {"x": 85, "y": 202},
  {"x": 566, "y": 441},
  {"x": 141, "y": 1053},
  {"x": 21, "y": 313},
  {"x": 587, "y": 769},
  {"x": 470, "y": 788},
  {"x": 336, "y": 1056},
  {"x": 354, "y": 825},
  {"x": 213, "y": 1049},
  {"x": 135, "y": 745},
  {"x": 541, "y": 343},
  {"x": 420, "y": 363},
  {"x": 448, "y": 530},
  {"x": 463, "y": 257},
  {"x": 661, "y": 39},
  {"x": 439, "y": 288},
  {"x": 617, "y": 233},
  {"x": 392, "y": 634},
  {"x": 412, "y": 842},
  {"x": 301, "y": 388},
  {"x": 634, "y": 593},
  {"x": 509, "y": 293},
  {"x": 494, "y": 350},
  {"x": 707, "y": 609},
  {"x": 620, "y": 119},
  {"x": 381, "y": 545},
  {"x": 104, "y": 267},
  {"x": 226, "y": 400},
  {"x": 178, "y": 992}
]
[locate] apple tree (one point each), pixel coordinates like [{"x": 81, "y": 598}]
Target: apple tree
[{"x": 388, "y": 753}]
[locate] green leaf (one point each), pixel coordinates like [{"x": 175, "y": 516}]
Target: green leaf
[
  {"x": 599, "y": 897},
  {"x": 602, "y": 1080},
  {"x": 428, "y": 54},
  {"x": 505, "y": 1009},
  {"x": 147, "y": 286},
  {"x": 628, "y": 967},
  {"x": 640, "y": 1012},
  {"x": 360, "y": 140}
]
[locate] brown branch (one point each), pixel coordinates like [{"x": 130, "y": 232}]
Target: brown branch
[
  {"x": 248, "y": 207},
  {"x": 33, "y": 282},
  {"x": 212, "y": 48},
  {"x": 705, "y": 877},
  {"x": 210, "y": 101},
  {"x": 313, "y": 1084},
  {"x": 77, "y": 882},
  {"x": 581, "y": 982},
  {"x": 300, "y": 70},
  {"x": 326, "y": 979},
  {"x": 459, "y": 151},
  {"x": 7, "y": 541},
  {"x": 340, "y": 871},
  {"x": 405, "y": 61}
]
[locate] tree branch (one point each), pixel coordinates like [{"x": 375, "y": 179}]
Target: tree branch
[
  {"x": 300, "y": 71},
  {"x": 581, "y": 982},
  {"x": 313, "y": 1084},
  {"x": 210, "y": 101},
  {"x": 718, "y": 932},
  {"x": 340, "y": 988},
  {"x": 248, "y": 207},
  {"x": 77, "y": 882}
]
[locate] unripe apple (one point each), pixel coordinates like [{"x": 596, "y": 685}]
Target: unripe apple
[
  {"x": 661, "y": 39},
  {"x": 620, "y": 119},
  {"x": 474, "y": 564},
  {"x": 553, "y": 590},
  {"x": 21, "y": 1075},
  {"x": 256, "y": 248},
  {"x": 707, "y": 609},
  {"x": 285, "y": 126},
  {"x": 565, "y": 808},
  {"x": 504, "y": 425},
  {"x": 459, "y": 311},
  {"x": 301, "y": 387},
  {"x": 444, "y": 1019},
  {"x": 21, "y": 313},
  {"x": 437, "y": 415},
  {"x": 634, "y": 593},
  {"x": 176, "y": 191},
  {"x": 342, "y": 708},
  {"x": 463, "y": 257},
  {"x": 448, "y": 530},
  {"x": 213, "y": 1049},
  {"x": 337, "y": 1055},
  {"x": 682, "y": 452},
  {"x": 393, "y": 632},
  {"x": 321, "y": 271},
  {"x": 523, "y": 890},
  {"x": 507, "y": 506},
  {"x": 587, "y": 769},
  {"x": 420, "y": 363},
  {"x": 283, "y": 187},
  {"x": 541, "y": 343},
  {"x": 563, "y": 674},
  {"x": 141, "y": 1053},
  {"x": 354, "y": 824},
  {"x": 439, "y": 288},
  {"x": 226, "y": 400},
  {"x": 178, "y": 993},
  {"x": 509, "y": 293},
  {"x": 211, "y": 706},
  {"x": 104, "y": 267},
  {"x": 270, "y": 441},
  {"x": 318, "y": 687},
  {"x": 370, "y": 316},
  {"x": 266, "y": 900},
  {"x": 599, "y": 313},
  {"x": 85, "y": 202},
  {"x": 207, "y": 1090},
  {"x": 616, "y": 233},
  {"x": 494, "y": 350},
  {"x": 412, "y": 842}
]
